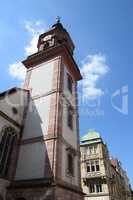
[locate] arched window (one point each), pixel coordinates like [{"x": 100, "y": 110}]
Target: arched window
[{"x": 7, "y": 139}]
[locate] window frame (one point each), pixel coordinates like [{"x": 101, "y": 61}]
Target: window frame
[
  {"x": 97, "y": 165},
  {"x": 92, "y": 188},
  {"x": 99, "y": 188},
  {"x": 95, "y": 188},
  {"x": 70, "y": 164},
  {"x": 70, "y": 117},
  {"x": 8, "y": 137},
  {"x": 92, "y": 150},
  {"x": 69, "y": 83},
  {"x": 94, "y": 166}
]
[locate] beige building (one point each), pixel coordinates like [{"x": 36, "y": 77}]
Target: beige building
[
  {"x": 39, "y": 126},
  {"x": 102, "y": 178}
]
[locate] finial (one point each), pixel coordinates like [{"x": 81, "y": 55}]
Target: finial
[{"x": 58, "y": 18}]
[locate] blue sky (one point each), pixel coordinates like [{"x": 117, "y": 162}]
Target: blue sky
[{"x": 102, "y": 32}]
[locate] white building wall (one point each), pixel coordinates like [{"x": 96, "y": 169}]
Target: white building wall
[
  {"x": 37, "y": 118},
  {"x": 66, "y": 91},
  {"x": 69, "y": 135},
  {"x": 70, "y": 179},
  {"x": 18, "y": 100},
  {"x": 31, "y": 161},
  {"x": 41, "y": 78}
]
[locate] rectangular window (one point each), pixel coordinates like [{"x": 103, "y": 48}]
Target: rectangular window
[
  {"x": 70, "y": 165},
  {"x": 98, "y": 188},
  {"x": 70, "y": 117},
  {"x": 97, "y": 165},
  {"x": 88, "y": 168},
  {"x": 92, "y": 188},
  {"x": 95, "y": 149},
  {"x": 93, "y": 166},
  {"x": 95, "y": 188},
  {"x": 92, "y": 150},
  {"x": 69, "y": 83}
]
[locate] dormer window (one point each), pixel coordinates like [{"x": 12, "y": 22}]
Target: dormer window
[{"x": 69, "y": 83}]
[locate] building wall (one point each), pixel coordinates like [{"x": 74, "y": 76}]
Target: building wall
[
  {"x": 33, "y": 154},
  {"x": 30, "y": 193},
  {"x": 115, "y": 185},
  {"x": 62, "y": 193},
  {"x": 70, "y": 136},
  {"x": 37, "y": 118},
  {"x": 41, "y": 122},
  {"x": 118, "y": 186},
  {"x": 42, "y": 193},
  {"x": 31, "y": 165},
  {"x": 98, "y": 198},
  {"x": 3, "y": 188},
  {"x": 65, "y": 177},
  {"x": 16, "y": 100},
  {"x": 41, "y": 78},
  {"x": 45, "y": 139},
  {"x": 98, "y": 156},
  {"x": 4, "y": 183},
  {"x": 94, "y": 177}
]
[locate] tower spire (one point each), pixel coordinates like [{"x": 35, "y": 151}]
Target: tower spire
[{"x": 58, "y": 19}]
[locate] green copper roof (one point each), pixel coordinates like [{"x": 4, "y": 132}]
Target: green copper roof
[{"x": 91, "y": 135}]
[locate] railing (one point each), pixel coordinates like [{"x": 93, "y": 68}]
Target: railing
[
  {"x": 92, "y": 175},
  {"x": 88, "y": 157}
]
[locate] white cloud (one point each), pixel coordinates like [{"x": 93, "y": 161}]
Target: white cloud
[
  {"x": 32, "y": 47},
  {"x": 17, "y": 70},
  {"x": 94, "y": 67},
  {"x": 34, "y": 30}
]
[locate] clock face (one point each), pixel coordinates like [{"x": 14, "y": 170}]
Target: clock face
[{"x": 48, "y": 37}]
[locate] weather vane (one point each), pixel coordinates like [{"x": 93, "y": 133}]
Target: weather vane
[{"x": 58, "y": 18}]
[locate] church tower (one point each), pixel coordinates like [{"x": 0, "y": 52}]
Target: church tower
[{"x": 48, "y": 163}]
